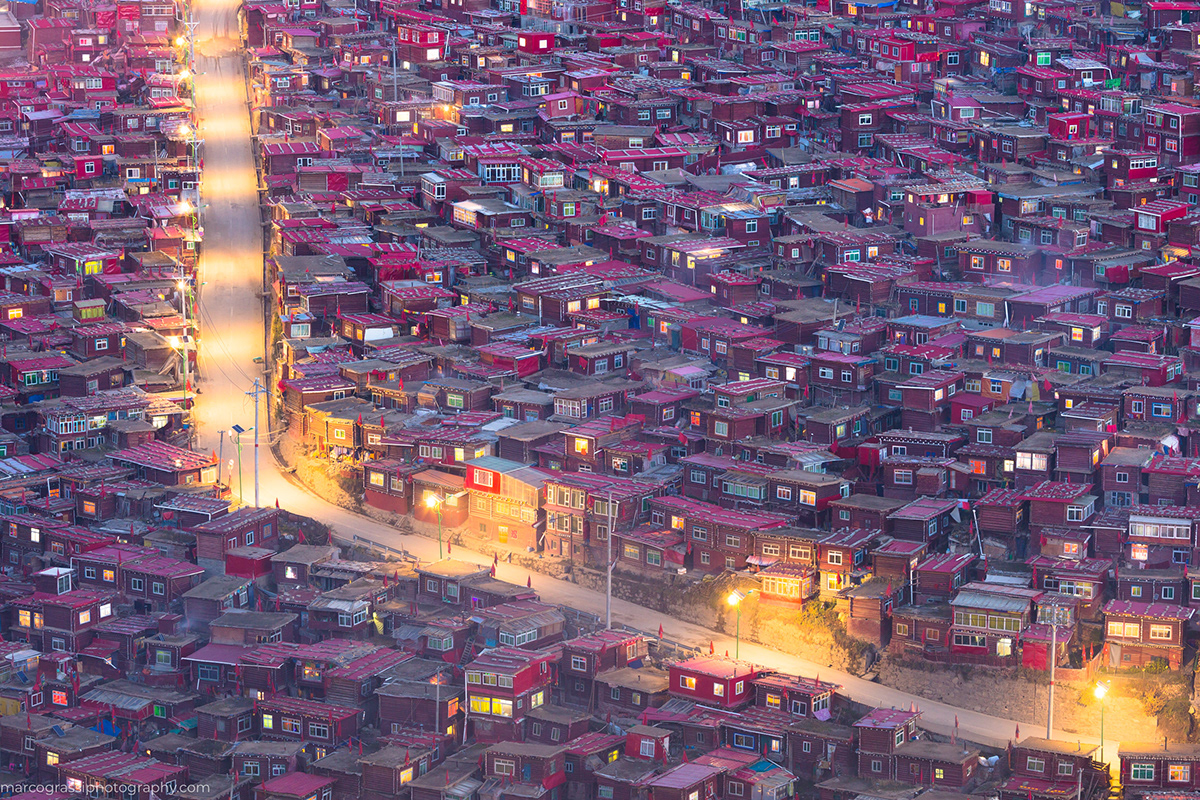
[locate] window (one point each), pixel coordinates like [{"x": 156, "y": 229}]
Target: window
[
  {"x": 1141, "y": 772},
  {"x": 1035, "y": 764},
  {"x": 1160, "y": 632},
  {"x": 1179, "y": 773}
]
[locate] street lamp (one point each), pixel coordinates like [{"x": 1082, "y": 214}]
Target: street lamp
[
  {"x": 1100, "y": 690},
  {"x": 239, "y": 430},
  {"x": 183, "y": 307},
  {"x": 435, "y": 502},
  {"x": 735, "y": 600}
]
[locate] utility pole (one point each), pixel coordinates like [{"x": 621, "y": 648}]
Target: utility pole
[
  {"x": 239, "y": 430},
  {"x": 608, "y": 565},
  {"x": 182, "y": 286},
  {"x": 395, "y": 75},
  {"x": 220, "y": 453},
  {"x": 184, "y": 351},
  {"x": 1053, "y": 659},
  {"x": 258, "y": 389}
]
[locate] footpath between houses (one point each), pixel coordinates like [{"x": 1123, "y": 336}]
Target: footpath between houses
[{"x": 1149, "y": 707}]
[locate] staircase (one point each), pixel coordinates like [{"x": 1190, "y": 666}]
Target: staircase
[{"x": 468, "y": 651}]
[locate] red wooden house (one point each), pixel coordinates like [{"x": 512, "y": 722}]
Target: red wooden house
[{"x": 711, "y": 681}]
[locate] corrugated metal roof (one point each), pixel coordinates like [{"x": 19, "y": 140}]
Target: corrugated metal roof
[{"x": 991, "y": 602}]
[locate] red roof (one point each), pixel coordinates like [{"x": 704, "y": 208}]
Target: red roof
[{"x": 165, "y": 457}]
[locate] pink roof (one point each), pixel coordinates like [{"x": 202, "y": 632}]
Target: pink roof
[
  {"x": 887, "y": 718},
  {"x": 1149, "y": 610},
  {"x": 745, "y": 519},
  {"x": 297, "y": 784},
  {"x": 718, "y": 667},
  {"x": 228, "y": 654}
]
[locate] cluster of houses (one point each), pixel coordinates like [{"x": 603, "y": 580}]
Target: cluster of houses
[
  {"x": 99, "y": 229},
  {"x": 863, "y": 299},
  {"x": 287, "y": 671},
  {"x": 858, "y": 299}
]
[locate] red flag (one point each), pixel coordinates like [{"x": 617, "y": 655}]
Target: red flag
[
  {"x": 529, "y": 582},
  {"x": 277, "y": 502},
  {"x": 660, "y": 631},
  {"x": 360, "y": 419},
  {"x": 683, "y": 439},
  {"x": 711, "y": 649}
]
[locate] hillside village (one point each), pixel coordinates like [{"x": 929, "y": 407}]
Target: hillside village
[{"x": 883, "y": 309}]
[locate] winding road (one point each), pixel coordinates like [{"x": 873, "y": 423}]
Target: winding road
[{"x": 232, "y": 337}]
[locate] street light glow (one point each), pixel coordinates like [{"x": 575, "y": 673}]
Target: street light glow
[
  {"x": 1100, "y": 690},
  {"x": 736, "y": 597},
  {"x": 433, "y": 501},
  {"x": 182, "y": 285},
  {"x": 179, "y": 41}
]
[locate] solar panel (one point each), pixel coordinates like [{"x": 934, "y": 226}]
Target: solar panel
[{"x": 58, "y": 731}]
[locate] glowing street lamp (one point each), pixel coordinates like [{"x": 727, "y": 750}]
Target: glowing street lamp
[
  {"x": 735, "y": 599},
  {"x": 435, "y": 502},
  {"x": 1100, "y": 690}
]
